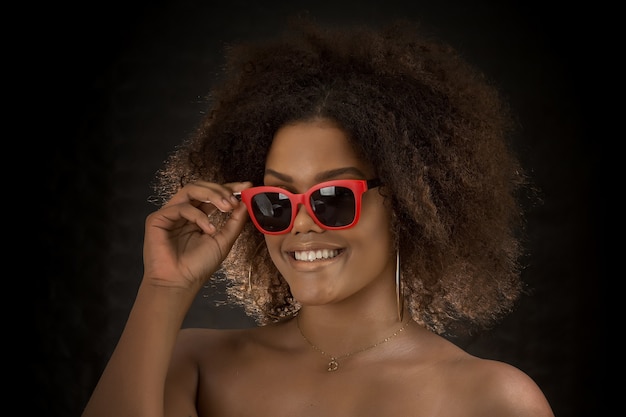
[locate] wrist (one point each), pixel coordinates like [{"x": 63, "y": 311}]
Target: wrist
[{"x": 165, "y": 299}]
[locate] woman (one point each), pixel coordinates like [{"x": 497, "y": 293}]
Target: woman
[{"x": 356, "y": 191}]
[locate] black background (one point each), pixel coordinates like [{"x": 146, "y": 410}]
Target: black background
[{"x": 125, "y": 82}]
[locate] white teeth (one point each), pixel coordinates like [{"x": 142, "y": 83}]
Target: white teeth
[{"x": 312, "y": 255}]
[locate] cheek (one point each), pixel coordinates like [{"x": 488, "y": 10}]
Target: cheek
[
  {"x": 274, "y": 244},
  {"x": 376, "y": 218},
  {"x": 373, "y": 232}
]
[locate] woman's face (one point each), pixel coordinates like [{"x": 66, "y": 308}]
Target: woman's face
[{"x": 302, "y": 155}]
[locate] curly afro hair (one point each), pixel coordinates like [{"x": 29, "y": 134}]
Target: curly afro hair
[{"x": 436, "y": 130}]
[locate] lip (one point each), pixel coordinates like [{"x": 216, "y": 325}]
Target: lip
[
  {"x": 318, "y": 254},
  {"x": 312, "y": 264}
]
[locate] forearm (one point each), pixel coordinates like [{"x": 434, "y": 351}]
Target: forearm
[{"x": 133, "y": 381}]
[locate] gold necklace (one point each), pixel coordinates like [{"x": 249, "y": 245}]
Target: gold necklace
[{"x": 333, "y": 364}]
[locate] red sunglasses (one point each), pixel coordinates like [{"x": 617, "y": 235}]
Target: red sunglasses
[{"x": 333, "y": 205}]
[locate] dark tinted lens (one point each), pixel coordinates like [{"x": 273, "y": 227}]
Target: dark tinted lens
[
  {"x": 334, "y": 206},
  {"x": 272, "y": 211}
]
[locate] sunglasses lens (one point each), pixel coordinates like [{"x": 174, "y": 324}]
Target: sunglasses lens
[
  {"x": 272, "y": 211},
  {"x": 334, "y": 206}
]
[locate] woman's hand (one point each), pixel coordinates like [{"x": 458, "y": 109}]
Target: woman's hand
[{"x": 182, "y": 248}]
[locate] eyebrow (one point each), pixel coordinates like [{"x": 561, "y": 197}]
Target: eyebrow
[{"x": 322, "y": 176}]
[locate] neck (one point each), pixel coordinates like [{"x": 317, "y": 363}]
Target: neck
[{"x": 337, "y": 332}]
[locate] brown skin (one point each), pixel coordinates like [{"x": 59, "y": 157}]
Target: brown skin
[
  {"x": 270, "y": 371},
  {"x": 348, "y": 302}
]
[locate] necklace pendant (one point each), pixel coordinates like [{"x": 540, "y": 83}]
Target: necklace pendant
[{"x": 333, "y": 365}]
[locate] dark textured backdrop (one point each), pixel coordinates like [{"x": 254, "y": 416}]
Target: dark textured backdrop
[{"x": 125, "y": 82}]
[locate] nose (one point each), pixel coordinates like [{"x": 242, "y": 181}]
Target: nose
[{"x": 304, "y": 223}]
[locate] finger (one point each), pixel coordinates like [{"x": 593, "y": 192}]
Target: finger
[
  {"x": 201, "y": 193},
  {"x": 175, "y": 216},
  {"x": 227, "y": 235}
]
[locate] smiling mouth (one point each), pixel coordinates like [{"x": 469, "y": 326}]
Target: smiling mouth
[{"x": 315, "y": 255}]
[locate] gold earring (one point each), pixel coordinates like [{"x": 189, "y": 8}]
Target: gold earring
[
  {"x": 250, "y": 264},
  {"x": 399, "y": 295}
]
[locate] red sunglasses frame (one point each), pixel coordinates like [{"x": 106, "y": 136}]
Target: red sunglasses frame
[{"x": 358, "y": 187}]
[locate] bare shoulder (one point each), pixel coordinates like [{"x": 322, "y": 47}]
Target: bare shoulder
[
  {"x": 194, "y": 343},
  {"x": 227, "y": 345},
  {"x": 199, "y": 339},
  {"x": 196, "y": 353},
  {"x": 500, "y": 389},
  {"x": 461, "y": 384}
]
